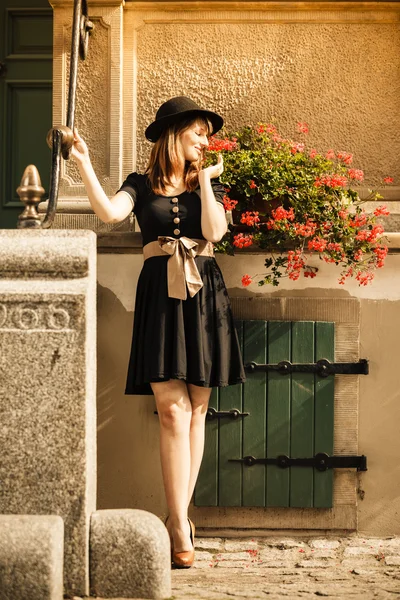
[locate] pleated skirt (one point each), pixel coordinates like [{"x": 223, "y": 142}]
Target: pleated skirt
[{"x": 194, "y": 340}]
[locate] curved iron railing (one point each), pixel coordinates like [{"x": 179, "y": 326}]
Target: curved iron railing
[{"x": 60, "y": 138}]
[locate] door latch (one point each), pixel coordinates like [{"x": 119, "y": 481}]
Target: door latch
[{"x": 233, "y": 413}]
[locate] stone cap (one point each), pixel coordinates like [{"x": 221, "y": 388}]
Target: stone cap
[{"x": 45, "y": 254}]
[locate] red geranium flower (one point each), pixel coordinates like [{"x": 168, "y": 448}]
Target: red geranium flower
[
  {"x": 345, "y": 157},
  {"x": 250, "y": 218},
  {"x": 217, "y": 145},
  {"x": 228, "y": 203},
  {"x": 242, "y": 241},
  {"x": 381, "y": 211},
  {"x": 356, "y": 174},
  {"x": 302, "y": 127},
  {"x": 246, "y": 280}
]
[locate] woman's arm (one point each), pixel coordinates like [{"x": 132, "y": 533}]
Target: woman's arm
[
  {"x": 108, "y": 210},
  {"x": 213, "y": 220}
]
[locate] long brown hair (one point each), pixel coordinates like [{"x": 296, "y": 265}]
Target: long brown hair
[{"x": 167, "y": 159}]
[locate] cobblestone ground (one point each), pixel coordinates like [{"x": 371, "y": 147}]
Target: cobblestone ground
[
  {"x": 277, "y": 568},
  {"x": 345, "y": 568}
]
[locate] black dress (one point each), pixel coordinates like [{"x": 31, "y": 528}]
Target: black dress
[{"x": 194, "y": 339}]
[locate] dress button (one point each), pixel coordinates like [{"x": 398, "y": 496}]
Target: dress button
[
  {"x": 175, "y": 209},
  {"x": 176, "y": 220},
  {"x": 177, "y": 231},
  {"x": 174, "y": 200}
]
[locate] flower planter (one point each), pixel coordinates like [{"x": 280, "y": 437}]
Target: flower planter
[{"x": 290, "y": 201}]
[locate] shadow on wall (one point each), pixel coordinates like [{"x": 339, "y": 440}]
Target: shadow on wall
[{"x": 128, "y": 465}]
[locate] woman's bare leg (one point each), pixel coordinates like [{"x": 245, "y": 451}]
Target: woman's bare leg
[
  {"x": 199, "y": 398},
  {"x": 175, "y": 415}
]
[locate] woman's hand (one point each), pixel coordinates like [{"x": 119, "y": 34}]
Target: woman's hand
[
  {"x": 79, "y": 149},
  {"x": 213, "y": 170}
]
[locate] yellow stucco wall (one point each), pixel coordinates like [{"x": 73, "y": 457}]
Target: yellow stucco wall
[
  {"x": 337, "y": 70},
  {"x": 333, "y": 65}
]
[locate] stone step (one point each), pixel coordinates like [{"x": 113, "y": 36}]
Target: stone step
[
  {"x": 129, "y": 555},
  {"x": 31, "y": 557}
]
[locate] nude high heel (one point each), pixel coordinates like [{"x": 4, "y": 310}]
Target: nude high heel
[{"x": 184, "y": 560}]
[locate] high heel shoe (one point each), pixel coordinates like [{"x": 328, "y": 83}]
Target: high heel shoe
[{"x": 184, "y": 560}]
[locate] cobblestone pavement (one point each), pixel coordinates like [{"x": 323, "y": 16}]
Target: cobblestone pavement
[{"x": 276, "y": 568}]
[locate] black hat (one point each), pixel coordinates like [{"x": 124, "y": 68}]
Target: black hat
[{"x": 173, "y": 110}]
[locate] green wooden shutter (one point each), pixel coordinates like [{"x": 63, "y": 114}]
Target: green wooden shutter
[{"x": 290, "y": 414}]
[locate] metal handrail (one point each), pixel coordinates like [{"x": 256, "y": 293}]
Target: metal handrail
[{"x": 60, "y": 138}]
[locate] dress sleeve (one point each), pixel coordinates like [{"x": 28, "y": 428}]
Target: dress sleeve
[
  {"x": 131, "y": 187},
  {"x": 218, "y": 189}
]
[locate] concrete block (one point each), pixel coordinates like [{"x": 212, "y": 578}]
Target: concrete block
[
  {"x": 130, "y": 555},
  {"x": 48, "y": 384},
  {"x": 31, "y": 557}
]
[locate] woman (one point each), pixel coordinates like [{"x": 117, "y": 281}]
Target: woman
[{"x": 184, "y": 340}]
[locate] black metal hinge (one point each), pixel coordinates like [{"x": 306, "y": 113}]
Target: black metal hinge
[
  {"x": 323, "y": 367},
  {"x": 320, "y": 461}
]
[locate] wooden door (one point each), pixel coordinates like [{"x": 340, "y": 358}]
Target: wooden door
[
  {"x": 26, "y": 47},
  {"x": 289, "y": 415}
]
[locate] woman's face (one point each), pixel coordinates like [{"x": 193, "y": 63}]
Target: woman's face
[{"x": 193, "y": 140}]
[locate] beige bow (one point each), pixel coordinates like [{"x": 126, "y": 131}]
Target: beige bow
[{"x": 182, "y": 270}]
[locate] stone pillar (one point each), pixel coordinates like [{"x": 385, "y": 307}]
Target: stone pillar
[
  {"x": 48, "y": 384},
  {"x": 98, "y": 114}
]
